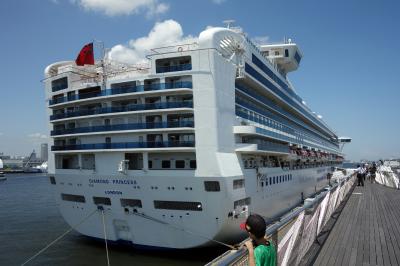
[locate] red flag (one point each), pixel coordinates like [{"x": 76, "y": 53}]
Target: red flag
[{"x": 85, "y": 55}]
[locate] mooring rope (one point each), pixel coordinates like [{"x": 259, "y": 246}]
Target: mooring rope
[
  {"x": 58, "y": 238},
  {"x": 105, "y": 237},
  {"x": 183, "y": 229}
]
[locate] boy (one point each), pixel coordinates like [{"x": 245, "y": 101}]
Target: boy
[{"x": 261, "y": 251}]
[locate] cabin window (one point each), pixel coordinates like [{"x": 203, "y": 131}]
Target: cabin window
[
  {"x": 73, "y": 198},
  {"x": 52, "y": 180},
  {"x": 238, "y": 183},
  {"x": 88, "y": 161},
  {"x": 178, "y": 205},
  {"x": 135, "y": 161},
  {"x": 212, "y": 186},
  {"x": 101, "y": 201},
  {"x": 242, "y": 202},
  {"x": 286, "y": 53},
  {"x": 180, "y": 164},
  {"x": 131, "y": 203},
  {"x": 59, "y": 84},
  {"x": 166, "y": 164},
  {"x": 193, "y": 164}
]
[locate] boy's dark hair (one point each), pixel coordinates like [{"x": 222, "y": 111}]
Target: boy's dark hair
[{"x": 256, "y": 225}]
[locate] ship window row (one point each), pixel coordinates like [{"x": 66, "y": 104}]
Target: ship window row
[
  {"x": 132, "y": 161},
  {"x": 137, "y": 203},
  {"x": 273, "y": 76},
  {"x": 102, "y": 200},
  {"x": 181, "y": 82},
  {"x": 276, "y": 135},
  {"x": 132, "y": 122},
  {"x": 152, "y": 141},
  {"x": 272, "y": 180},
  {"x": 251, "y": 162},
  {"x": 273, "y": 108},
  {"x": 259, "y": 115},
  {"x": 266, "y": 145},
  {"x": 172, "y": 64},
  {"x": 165, "y": 161},
  {"x": 155, "y": 164},
  {"x": 252, "y": 72},
  {"x": 148, "y": 103}
]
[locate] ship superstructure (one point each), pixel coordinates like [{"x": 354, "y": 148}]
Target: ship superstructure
[{"x": 205, "y": 134}]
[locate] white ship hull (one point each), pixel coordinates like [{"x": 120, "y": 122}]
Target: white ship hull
[{"x": 213, "y": 222}]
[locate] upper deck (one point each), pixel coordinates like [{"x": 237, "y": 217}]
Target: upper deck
[{"x": 163, "y": 96}]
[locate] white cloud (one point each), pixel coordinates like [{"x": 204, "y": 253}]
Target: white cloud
[
  {"x": 261, "y": 40},
  {"x": 168, "y": 32},
  {"x": 37, "y": 136},
  {"x": 123, "y": 7},
  {"x": 218, "y": 1}
]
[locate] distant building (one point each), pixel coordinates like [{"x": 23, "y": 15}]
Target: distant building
[
  {"x": 2, "y": 156},
  {"x": 44, "y": 155}
]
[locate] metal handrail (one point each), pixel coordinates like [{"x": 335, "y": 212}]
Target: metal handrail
[{"x": 229, "y": 257}]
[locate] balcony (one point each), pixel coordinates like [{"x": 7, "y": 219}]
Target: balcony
[
  {"x": 164, "y": 69},
  {"x": 132, "y": 126},
  {"x": 125, "y": 145},
  {"x": 271, "y": 148},
  {"x": 128, "y": 108},
  {"x": 116, "y": 91}
]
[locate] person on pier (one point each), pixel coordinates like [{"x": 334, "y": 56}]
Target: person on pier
[
  {"x": 360, "y": 175},
  {"x": 261, "y": 251}
]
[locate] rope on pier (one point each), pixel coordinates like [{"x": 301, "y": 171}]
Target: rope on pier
[
  {"x": 105, "y": 237},
  {"x": 58, "y": 238}
]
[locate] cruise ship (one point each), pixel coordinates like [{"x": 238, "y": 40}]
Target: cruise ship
[{"x": 178, "y": 152}]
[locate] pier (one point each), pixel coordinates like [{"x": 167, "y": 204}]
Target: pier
[
  {"x": 347, "y": 225},
  {"x": 367, "y": 232}
]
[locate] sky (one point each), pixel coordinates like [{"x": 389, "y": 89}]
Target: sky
[{"x": 349, "y": 73}]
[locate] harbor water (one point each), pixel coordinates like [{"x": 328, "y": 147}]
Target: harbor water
[{"x": 29, "y": 220}]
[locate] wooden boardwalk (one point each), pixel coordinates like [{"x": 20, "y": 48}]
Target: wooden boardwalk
[{"x": 367, "y": 232}]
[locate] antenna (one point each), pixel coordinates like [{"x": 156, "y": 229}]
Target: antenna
[{"x": 228, "y": 23}]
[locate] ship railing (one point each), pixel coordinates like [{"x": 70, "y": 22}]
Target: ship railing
[
  {"x": 129, "y": 126},
  {"x": 294, "y": 233},
  {"x": 128, "y": 108},
  {"x": 123, "y": 90},
  {"x": 175, "y": 48},
  {"x": 124, "y": 145}
]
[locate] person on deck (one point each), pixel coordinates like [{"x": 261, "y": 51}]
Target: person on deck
[
  {"x": 329, "y": 177},
  {"x": 261, "y": 251},
  {"x": 372, "y": 173},
  {"x": 360, "y": 177}
]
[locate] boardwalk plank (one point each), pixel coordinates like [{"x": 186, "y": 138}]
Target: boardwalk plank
[{"x": 368, "y": 230}]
